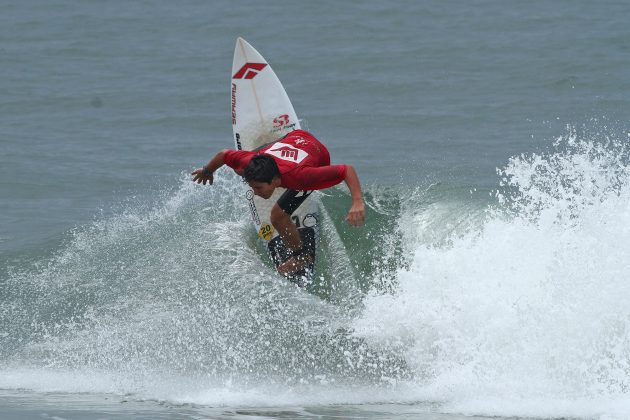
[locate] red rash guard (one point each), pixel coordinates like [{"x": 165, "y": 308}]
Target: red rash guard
[{"x": 304, "y": 162}]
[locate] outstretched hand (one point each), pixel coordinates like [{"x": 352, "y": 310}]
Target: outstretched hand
[
  {"x": 202, "y": 175},
  {"x": 356, "y": 214}
]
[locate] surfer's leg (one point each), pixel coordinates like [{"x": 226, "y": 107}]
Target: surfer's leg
[
  {"x": 287, "y": 230},
  {"x": 281, "y": 221}
]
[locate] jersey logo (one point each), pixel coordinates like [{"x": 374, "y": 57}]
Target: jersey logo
[
  {"x": 249, "y": 70},
  {"x": 287, "y": 152}
]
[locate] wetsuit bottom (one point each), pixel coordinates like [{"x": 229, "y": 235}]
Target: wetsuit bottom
[{"x": 290, "y": 200}]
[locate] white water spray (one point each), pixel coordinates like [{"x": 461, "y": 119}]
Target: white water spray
[{"x": 529, "y": 314}]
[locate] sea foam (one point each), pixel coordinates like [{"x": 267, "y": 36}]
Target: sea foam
[{"x": 526, "y": 314}]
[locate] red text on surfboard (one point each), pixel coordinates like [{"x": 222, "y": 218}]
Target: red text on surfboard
[
  {"x": 249, "y": 70},
  {"x": 281, "y": 120}
]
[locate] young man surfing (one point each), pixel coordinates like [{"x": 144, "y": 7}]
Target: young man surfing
[{"x": 299, "y": 163}]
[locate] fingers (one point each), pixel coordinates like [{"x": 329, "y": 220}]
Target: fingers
[
  {"x": 358, "y": 221},
  {"x": 356, "y": 214},
  {"x": 199, "y": 177},
  {"x": 196, "y": 175},
  {"x": 356, "y": 218}
]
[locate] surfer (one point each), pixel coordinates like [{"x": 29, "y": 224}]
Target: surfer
[{"x": 299, "y": 163}]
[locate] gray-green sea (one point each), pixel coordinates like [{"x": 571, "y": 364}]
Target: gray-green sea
[{"x": 490, "y": 280}]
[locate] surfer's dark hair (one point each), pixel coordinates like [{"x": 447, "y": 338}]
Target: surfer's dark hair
[{"x": 262, "y": 168}]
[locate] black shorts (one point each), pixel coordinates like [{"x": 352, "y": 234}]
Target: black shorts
[{"x": 291, "y": 200}]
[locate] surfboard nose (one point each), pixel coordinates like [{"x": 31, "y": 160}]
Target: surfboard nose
[{"x": 242, "y": 43}]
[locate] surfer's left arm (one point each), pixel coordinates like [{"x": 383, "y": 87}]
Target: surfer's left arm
[
  {"x": 206, "y": 174},
  {"x": 356, "y": 214},
  {"x": 322, "y": 177}
]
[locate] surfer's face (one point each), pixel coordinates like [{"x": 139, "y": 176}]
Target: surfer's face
[{"x": 263, "y": 189}]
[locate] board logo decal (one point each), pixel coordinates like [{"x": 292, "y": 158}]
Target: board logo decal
[
  {"x": 239, "y": 146},
  {"x": 234, "y": 104},
  {"x": 249, "y": 70},
  {"x": 281, "y": 120},
  {"x": 309, "y": 220},
  {"x": 266, "y": 231},
  {"x": 252, "y": 206},
  {"x": 287, "y": 152}
]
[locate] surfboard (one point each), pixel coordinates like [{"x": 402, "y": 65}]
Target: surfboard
[{"x": 261, "y": 114}]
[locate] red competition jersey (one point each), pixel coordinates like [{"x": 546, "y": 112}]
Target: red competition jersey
[{"x": 304, "y": 162}]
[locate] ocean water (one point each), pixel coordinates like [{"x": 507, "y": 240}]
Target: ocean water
[{"x": 491, "y": 278}]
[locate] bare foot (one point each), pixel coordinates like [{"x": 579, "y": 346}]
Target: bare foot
[{"x": 294, "y": 264}]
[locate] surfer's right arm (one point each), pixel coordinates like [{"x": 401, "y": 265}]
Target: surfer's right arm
[
  {"x": 235, "y": 159},
  {"x": 206, "y": 174}
]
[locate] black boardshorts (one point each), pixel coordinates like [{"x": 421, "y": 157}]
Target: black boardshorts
[{"x": 290, "y": 200}]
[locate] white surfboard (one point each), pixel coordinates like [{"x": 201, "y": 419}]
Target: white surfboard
[{"x": 262, "y": 113}]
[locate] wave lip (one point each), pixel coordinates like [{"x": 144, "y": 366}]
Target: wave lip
[{"x": 529, "y": 309}]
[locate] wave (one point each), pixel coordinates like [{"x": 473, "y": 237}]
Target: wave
[
  {"x": 511, "y": 303},
  {"x": 524, "y": 313},
  {"x": 178, "y": 290}
]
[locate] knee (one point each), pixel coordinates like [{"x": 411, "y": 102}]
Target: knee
[{"x": 277, "y": 216}]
